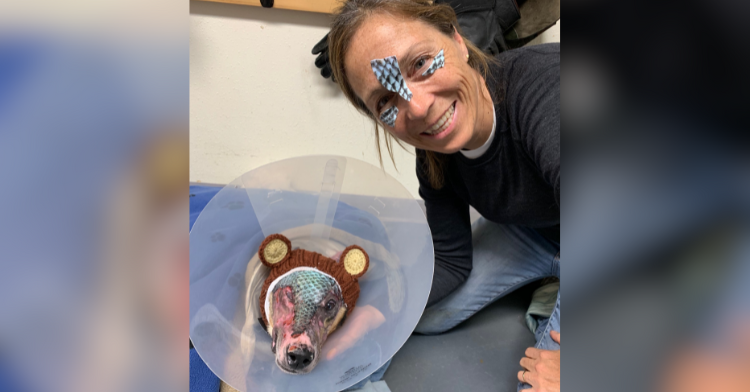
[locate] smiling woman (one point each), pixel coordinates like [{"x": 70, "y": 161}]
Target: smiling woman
[
  {"x": 487, "y": 135},
  {"x": 439, "y": 110},
  {"x": 413, "y": 33}
]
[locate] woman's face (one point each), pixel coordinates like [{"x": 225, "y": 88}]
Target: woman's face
[{"x": 442, "y": 113}]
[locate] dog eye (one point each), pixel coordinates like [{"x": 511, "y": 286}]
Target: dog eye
[{"x": 330, "y": 305}]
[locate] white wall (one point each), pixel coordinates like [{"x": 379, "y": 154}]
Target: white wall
[{"x": 256, "y": 96}]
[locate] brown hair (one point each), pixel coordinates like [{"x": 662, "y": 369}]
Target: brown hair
[{"x": 350, "y": 16}]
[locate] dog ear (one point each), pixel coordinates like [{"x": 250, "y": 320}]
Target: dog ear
[
  {"x": 274, "y": 250},
  {"x": 355, "y": 260}
]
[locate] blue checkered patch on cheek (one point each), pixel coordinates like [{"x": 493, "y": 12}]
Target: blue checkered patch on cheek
[
  {"x": 388, "y": 117},
  {"x": 389, "y": 75},
  {"x": 438, "y": 62}
]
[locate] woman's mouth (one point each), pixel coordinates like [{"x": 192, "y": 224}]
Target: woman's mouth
[{"x": 443, "y": 124}]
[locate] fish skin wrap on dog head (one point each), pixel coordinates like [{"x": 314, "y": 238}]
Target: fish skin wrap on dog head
[{"x": 305, "y": 298}]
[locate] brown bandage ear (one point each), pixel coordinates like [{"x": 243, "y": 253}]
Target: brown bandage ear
[
  {"x": 274, "y": 250},
  {"x": 355, "y": 261}
]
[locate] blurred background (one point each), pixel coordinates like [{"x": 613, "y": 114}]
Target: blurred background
[
  {"x": 94, "y": 180},
  {"x": 656, "y": 196}
]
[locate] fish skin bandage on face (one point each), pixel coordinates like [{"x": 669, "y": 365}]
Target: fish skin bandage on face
[
  {"x": 438, "y": 62},
  {"x": 389, "y": 75},
  {"x": 388, "y": 117}
]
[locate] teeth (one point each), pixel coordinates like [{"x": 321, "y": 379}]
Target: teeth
[{"x": 442, "y": 122}]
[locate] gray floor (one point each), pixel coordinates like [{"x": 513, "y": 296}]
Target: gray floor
[{"x": 481, "y": 354}]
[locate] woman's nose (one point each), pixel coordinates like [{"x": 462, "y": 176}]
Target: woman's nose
[{"x": 419, "y": 105}]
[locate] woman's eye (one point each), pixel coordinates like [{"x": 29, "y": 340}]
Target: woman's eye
[
  {"x": 420, "y": 63},
  {"x": 383, "y": 101}
]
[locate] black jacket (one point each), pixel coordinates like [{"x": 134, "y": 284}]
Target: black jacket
[{"x": 484, "y": 22}]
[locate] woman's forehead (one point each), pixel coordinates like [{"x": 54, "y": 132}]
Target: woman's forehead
[
  {"x": 385, "y": 35},
  {"x": 382, "y": 36}
]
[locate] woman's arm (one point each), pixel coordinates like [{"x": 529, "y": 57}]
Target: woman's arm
[
  {"x": 448, "y": 217},
  {"x": 534, "y": 97}
]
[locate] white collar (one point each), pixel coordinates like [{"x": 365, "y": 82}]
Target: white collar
[{"x": 476, "y": 153}]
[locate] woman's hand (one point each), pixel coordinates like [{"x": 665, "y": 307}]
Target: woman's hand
[
  {"x": 362, "y": 320},
  {"x": 542, "y": 368}
]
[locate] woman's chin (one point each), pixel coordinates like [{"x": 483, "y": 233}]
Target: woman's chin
[
  {"x": 451, "y": 145},
  {"x": 450, "y": 150}
]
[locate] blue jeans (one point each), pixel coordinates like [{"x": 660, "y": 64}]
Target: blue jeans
[{"x": 506, "y": 257}]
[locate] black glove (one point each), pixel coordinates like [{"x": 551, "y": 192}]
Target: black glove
[{"x": 321, "y": 49}]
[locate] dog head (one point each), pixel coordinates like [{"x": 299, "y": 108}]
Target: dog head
[{"x": 305, "y": 298}]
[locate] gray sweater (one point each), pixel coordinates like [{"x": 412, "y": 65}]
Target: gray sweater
[{"x": 517, "y": 181}]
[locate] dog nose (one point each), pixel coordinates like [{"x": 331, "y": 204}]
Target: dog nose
[{"x": 299, "y": 357}]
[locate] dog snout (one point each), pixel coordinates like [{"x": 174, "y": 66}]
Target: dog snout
[{"x": 299, "y": 357}]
